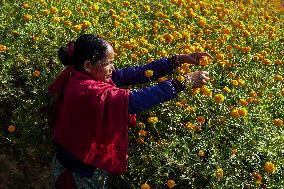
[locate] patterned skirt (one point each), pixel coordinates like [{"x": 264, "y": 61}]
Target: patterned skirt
[{"x": 99, "y": 180}]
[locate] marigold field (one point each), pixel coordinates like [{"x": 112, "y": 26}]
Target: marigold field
[{"x": 228, "y": 134}]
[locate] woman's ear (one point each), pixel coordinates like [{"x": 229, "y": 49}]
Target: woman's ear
[{"x": 87, "y": 66}]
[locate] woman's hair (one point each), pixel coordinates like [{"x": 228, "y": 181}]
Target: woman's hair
[{"x": 86, "y": 47}]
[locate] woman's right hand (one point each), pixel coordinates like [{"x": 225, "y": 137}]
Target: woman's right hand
[{"x": 197, "y": 79}]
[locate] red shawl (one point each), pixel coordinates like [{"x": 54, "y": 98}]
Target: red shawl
[{"x": 92, "y": 123}]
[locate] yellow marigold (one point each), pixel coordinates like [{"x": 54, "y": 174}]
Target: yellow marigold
[
  {"x": 278, "y": 78},
  {"x": 266, "y": 62},
  {"x": 282, "y": 92},
  {"x": 219, "y": 98},
  {"x": 45, "y": 12},
  {"x": 145, "y": 186},
  {"x": 252, "y": 94},
  {"x": 234, "y": 151},
  {"x": 161, "y": 79},
  {"x": 243, "y": 102},
  {"x": 243, "y": 112},
  {"x": 201, "y": 153},
  {"x": 67, "y": 13},
  {"x": 146, "y": 8},
  {"x": 27, "y": 17},
  {"x": 204, "y": 61},
  {"x": 77, "y": 27},
  {"x": 126, "y": 3},
  {"x": 269, "y": 167},
  {"x": 140, "y": 140},
  {"x": 180, "y": 78},
  {"x": 25, "y": 5},
  {"x": 36, "y": 73},
  {"x": 278, "y": 62},
  {"x": 241, "y": 82},
  {"x": 153, "y": 120},
  {"x": 235, "y": 113},
  {"x": 56, "y": 19},
  {"x": 168, "y": 38},
  {"x": 148, "y": 73},
  {"x": 226, "y": 89},
  {"x": 11, "y": 128},
  {"x": 53, "y": 10},
  {"x": 3, "y": 48},
  {"x": 142, "y": 132},
  {"x": 86, "y": 24},
  {"x": 67, "y": 23},
  {"x": 195, "y": 91},
  {"x": 200, "y": 119},
  {"x": 234, "y": 82},
  {"x": 277, "y": 122},
  {"x": 219, "y": 173},
  {"x": 141, "y": 125},
  {"x": 205, "y": 91},
  {"x": 171, "y": 183},
  {"x": 257, "y": 177}
]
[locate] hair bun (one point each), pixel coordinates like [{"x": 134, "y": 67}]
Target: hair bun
[{"x": 65, "y": 56}]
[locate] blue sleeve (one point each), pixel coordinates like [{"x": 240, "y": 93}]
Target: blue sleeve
[
  {"x": 148, "y": 97},
  {"x": 136, "y": 74}
]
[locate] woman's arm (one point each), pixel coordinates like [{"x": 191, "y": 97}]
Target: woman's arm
[
  {"x": 136, "y": 74},
  {"x": 148, "y": 97}
]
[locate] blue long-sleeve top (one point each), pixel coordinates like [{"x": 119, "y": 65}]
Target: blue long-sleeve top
[{"x": 148, "y": 97}]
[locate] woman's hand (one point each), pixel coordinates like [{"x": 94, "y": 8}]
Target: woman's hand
[
  {"x": 197, "y": 79},
  {"x": 192, "y": 58}
]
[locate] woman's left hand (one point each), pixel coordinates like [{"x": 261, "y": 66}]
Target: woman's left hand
[{"x": 192, "y": 58}]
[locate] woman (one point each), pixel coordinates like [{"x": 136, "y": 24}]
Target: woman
[{"x": 91, "y": 115}]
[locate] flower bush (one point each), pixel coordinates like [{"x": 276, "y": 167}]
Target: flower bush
[{"x": 228, "y": 134}]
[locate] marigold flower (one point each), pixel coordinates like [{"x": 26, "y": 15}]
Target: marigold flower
[
  {"x": 142, "y": 133},
  {"x": 282, "y": 92},
  {"x": 219, "y": 173},
  {"x": 234, "y": 82},
  {"x": 201, "y": 153},
  {"x": 200, "y": 119},
  {"x": 252, "y": 94},
  {"x": 278, "y": 78},
  {"x": 145, "y": 186},
  {"x": 77, "y": 27},
  {"x": 278, "y": 62},
  {"x": 11, "y": 128},
  {"x": 234, "y": 151},
  {"x": 205, "y": 91},
  {"x": 67, "y": 23},
  {"x": 27, "y": 17},
  {"x": 204, "y": 61},
  {"x": 53, "y": 10},
  {"x": 146, "y": 8},
  {"x": 67, "y": 13},
  {"x": 168, "y": 38},
  {"x": 277, "y": 122},
  {"x": 25, "y": 5},
  {"x": 86, "y": 24},
  {"x": 235, "y": 113},
  {"x": 148, "y": 73},
  {"x": 141, "y": 125},
  {"x": 269, "y": 167},
  {"x": 226, "y": 89},
  {"x": 36, "y": 73},
  {"x": 153, "y": 120},
  {"x": 140, "y": 140},
  {"x": 241, "y": 82},
  {"x": 3, "y": 48},
  {"x": 243, "y": 102},
  {"x": 257, "y": 177},
  {"x": 171, "y": 183},
  {"x": 180, "y": 78},
  {"x": 243, "y": 112},
  {"x": 219, "y": 98}
]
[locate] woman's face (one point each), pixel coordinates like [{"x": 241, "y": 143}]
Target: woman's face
[{"x": 104, "y": 68}]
